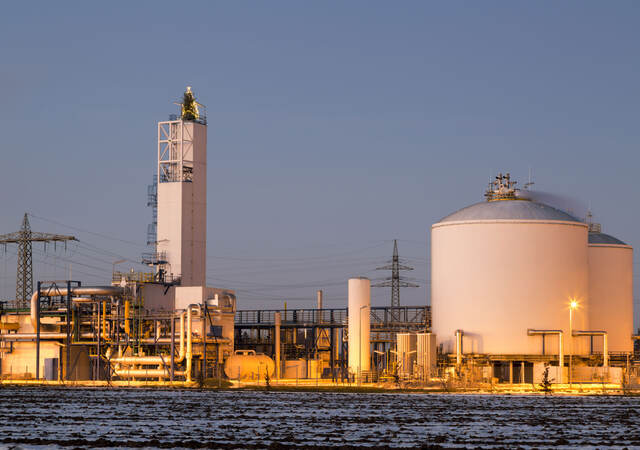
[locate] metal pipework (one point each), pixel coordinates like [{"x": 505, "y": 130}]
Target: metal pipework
[
  {"x": 532, "y": 332},
  {"x": 60, "y": 291},
  {"x": 43, "y": 336},
  {"x": 157, "y": 360},
  {"x": 605, "y": 344},
  {"x": 144, "y": 373},
  {"x": 189, "y": 354}
]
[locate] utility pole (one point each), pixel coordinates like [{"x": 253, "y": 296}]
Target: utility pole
[
  {"x": 24, "y": 238},
  {"x": 395, "y": 281}
]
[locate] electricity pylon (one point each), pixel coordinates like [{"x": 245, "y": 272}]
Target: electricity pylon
[
  {"x": 395, "y": 281},
  {"x": 24, "y": 238}
]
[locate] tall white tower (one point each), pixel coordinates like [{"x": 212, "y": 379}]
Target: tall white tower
[{"x": 182, "y": 195}]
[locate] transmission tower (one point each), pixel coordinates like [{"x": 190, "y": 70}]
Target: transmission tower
[
  {"x": 24, "y": 238},
  {"x": 395, "y": 281}
]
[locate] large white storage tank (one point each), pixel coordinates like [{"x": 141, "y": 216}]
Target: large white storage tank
[
  {"x": 506, "y": 265},
  {"x": 611, "y": 291}
]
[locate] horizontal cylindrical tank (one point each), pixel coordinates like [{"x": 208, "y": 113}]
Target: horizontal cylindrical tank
[
  {"x": 610, "y": 292},
  {"x": 247, "y": 365},
  {"x": 502, "y": 267},
  {"x": 359, "y": 293}
]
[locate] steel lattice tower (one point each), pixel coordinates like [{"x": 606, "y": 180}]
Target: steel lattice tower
[
  {"x": 24, "y": 276},
  {"x": 395, "y": 281},
  {"x": 24, "y": 238}
]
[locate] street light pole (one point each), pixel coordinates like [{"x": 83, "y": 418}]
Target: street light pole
[
  {"x": 360, "y": 345},
  {"x": 573, "y": 305},
  {"x": 570, "y": 341}
]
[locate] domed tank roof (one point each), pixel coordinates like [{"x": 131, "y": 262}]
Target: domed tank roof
[
  {"x": 512, "y": 209},
  {"x": 602, "y": 238}
]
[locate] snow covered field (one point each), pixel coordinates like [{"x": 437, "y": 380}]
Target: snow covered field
[{"x": 90, "y": 418}]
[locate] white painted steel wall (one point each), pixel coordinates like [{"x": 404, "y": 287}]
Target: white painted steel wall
[
  {"x": 182, "y": 209},
  {"x": 494, "y": 279},
  {"x": 611, "y": 295},
  {"x": 359, "y": 294}
]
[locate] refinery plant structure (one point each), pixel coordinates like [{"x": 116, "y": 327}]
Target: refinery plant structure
[{"x": 518, "y": 287}]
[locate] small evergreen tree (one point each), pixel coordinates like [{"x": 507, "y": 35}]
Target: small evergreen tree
[
  {"x": 545, "y": 384},
  {"x": 267, "y": 380}
]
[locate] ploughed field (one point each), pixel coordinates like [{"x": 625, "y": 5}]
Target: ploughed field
[{"x": 58, "y": 418}]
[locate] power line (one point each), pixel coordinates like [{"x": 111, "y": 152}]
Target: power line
[{"x": 105, "y": 236}]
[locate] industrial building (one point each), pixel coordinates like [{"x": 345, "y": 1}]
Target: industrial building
[
  {"x": 166, "y": 325},
  {"x": 517, "y": 286}
]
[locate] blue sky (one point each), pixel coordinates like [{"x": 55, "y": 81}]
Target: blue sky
[{"x": 334, "y": 127}]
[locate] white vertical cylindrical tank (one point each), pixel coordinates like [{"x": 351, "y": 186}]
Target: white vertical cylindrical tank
[
  {"x": 501, "y": 267},
  {"x": 426, "y": 355},
  {"x": 359, "y": 294},
  {"x": 405, "y": 353},
  {"x": 611, "y": 291}
]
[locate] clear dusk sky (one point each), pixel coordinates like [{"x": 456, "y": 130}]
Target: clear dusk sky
[{"x": 334, "y": 128}]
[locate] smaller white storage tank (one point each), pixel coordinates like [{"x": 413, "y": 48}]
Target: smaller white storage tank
[
  {"x": 405, "y": 353},
  {"x": 359, "y": 294},
  {"x": 610, "y": 291},
  {"x": 426, "y": 355}
]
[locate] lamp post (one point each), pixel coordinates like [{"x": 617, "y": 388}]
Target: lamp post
[
  {"x": 360, "y": 345},
  {"x": 573, "y": 305}
]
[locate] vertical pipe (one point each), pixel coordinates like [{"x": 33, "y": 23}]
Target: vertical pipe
[
  {"x": 127, "y": 322},
  {"x": 605, "y": 352},
  {"x": 104, "y": 319},
  {"x": 189, "y": 353},
  {"x": 173, "y": 344},
  {"x": 98, "y": 329},
  {"x": 332, "y": 360},
  {"x": 522, "y": 372},
  {"x": 458, "y": 347},
  {"x": 68, "y": 349},
  {"x": 510, "y": 372},
  {"x": 278, "y": 323},
  {"x": 38, "y": 334},
  {"x": 60, "y": 373},
  {"x": 204, "y": 341},
  {"x": 570, "y": 341},
  {"x": 117, "y": 324},
  {"x": 319, "y": 299},
  {"x": 560, "y": 358}
]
